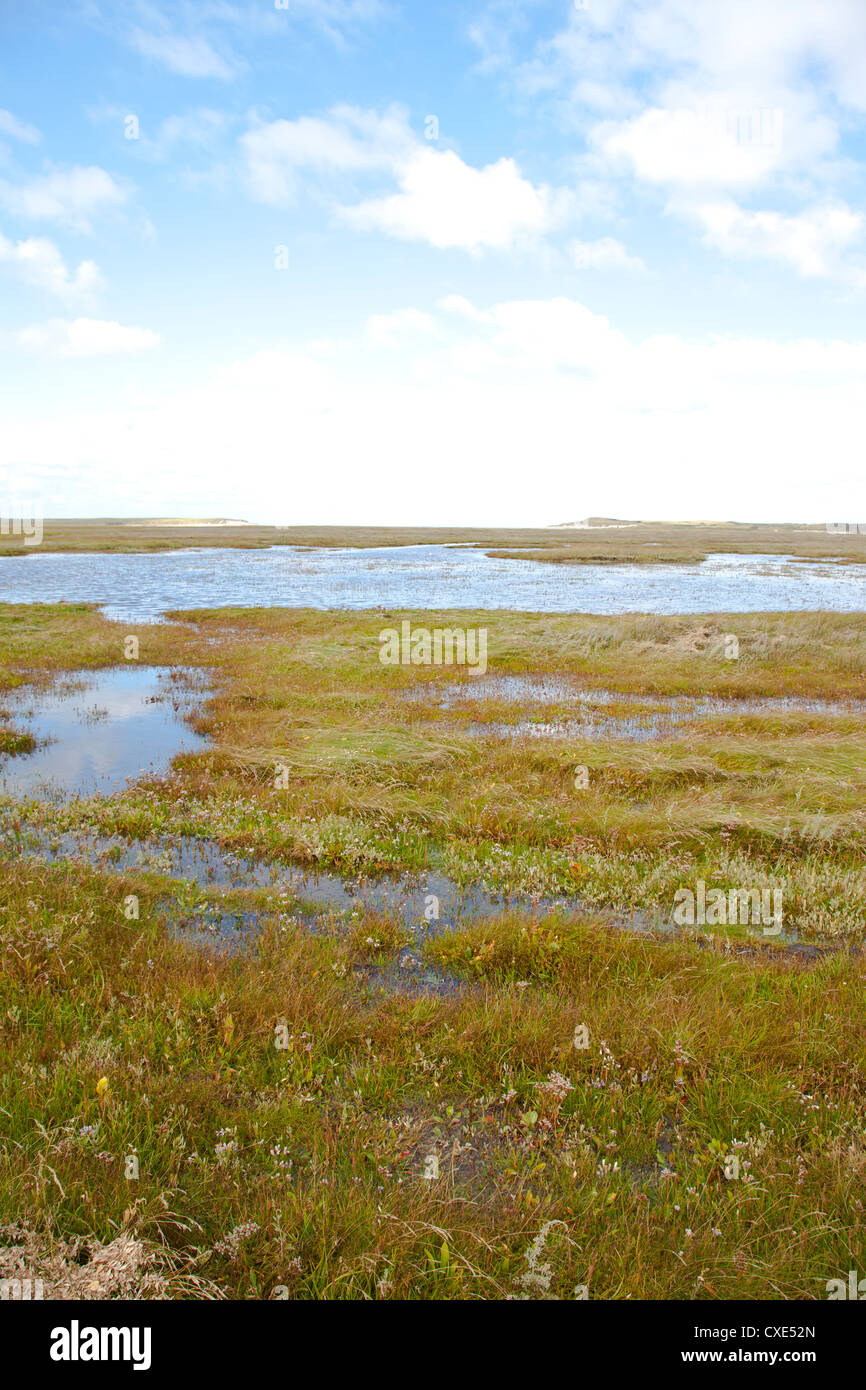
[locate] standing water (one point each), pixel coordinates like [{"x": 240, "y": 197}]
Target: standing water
[
  {"x": 95, "y": 730},
  {"x": 139, "y": 588}
]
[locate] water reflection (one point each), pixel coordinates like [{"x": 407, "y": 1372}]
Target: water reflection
[
  {"x": 604, "y": 714},
  {"x": 96, "y": 729}
]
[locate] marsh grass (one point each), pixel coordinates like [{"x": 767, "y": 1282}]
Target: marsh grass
[
  {"x": 300, "y": 1168},
  {"x": 688, "y": 543},
  {"x": 14, "y": 742},
  {"x": 377, "y": 782}
]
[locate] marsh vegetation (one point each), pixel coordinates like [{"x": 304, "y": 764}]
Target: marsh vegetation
[{"x": 622, "y": 1113}]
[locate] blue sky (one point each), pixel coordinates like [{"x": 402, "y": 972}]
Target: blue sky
[{"x": 507, "y": 263}]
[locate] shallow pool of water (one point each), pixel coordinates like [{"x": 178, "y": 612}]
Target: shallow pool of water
[
  {"x": 138, "y": 588},
  {"x": 308, "y": 893},
  {"x": 604, "y": 714},
  {"x": 95, "y": 730},
  {"x": 207, "y": 864}
]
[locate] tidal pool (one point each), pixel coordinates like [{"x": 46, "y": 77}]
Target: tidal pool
[
  {"x": 95, "y": 730},
  {"x": 604, "y": 714}
]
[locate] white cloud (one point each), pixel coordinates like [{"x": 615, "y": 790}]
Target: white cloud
[
  {"x": 351, "y": 141},
  {"x": 18, "y": 130},
  {"x": 440, "y": 199},
  {"x": 68, "y": 196},
  {"x": 707, "y": 102},
  {"x": 604, "y": 254},
  {"x": 811, "y": 241},
  {"x": 561, "y": 334},
  {"x": 700, "y": 155},
  {"x": 612, "y": 48},
  {"x": 778, "y": 42},
  {"x": 188, "y": 57},
  {"x": 84, "y": 337},
  {"x": 450, "y": 204},
  {"x": 729, "y": 139},
  {"x": 696, "y": 147},
  {"x": 39, "y": 262}
]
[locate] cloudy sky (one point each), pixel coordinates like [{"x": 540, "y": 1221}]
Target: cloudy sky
[{"x": 425, "y": 261}]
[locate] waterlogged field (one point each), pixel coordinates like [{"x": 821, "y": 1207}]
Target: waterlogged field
[{"x": 382, "y": 991}]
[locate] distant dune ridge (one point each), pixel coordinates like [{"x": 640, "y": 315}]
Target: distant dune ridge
[
  {"x": 597, "y": 523},
  {"x": 183, "y": 521},
  {"x": 592, "y": 523}
]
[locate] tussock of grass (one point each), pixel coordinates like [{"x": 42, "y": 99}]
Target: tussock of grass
[{"x": 15, "y": 741}]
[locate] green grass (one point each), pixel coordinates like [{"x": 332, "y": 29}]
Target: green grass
[
  {"x": 118, "y": 1042},
  {"x": 298, "y": 1169}
]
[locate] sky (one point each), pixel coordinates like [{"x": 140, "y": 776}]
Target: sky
[{"x": 405, "y": 262}]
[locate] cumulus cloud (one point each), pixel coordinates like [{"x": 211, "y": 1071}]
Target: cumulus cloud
[
  {"x": 706, "y": 103},
  {"x": 39, "y": 262},
  {"x": 83, "y": 337},
  {"x": 697, "y": 146},
  {"x": 609, "y": 51},
  {"x": 68, "y": 196},
  {"x": 349, "y": 141},
  {"x": 451, "y": 204},
  {"x": 439, "y": 198},
  {"x": 811, "y": 241}
]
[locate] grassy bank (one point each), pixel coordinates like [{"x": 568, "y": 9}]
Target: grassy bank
[
  {"x": 664, "y": 543},
  {"x": 119, "y": 535},
  {"x": 621, "y": 1115}
]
